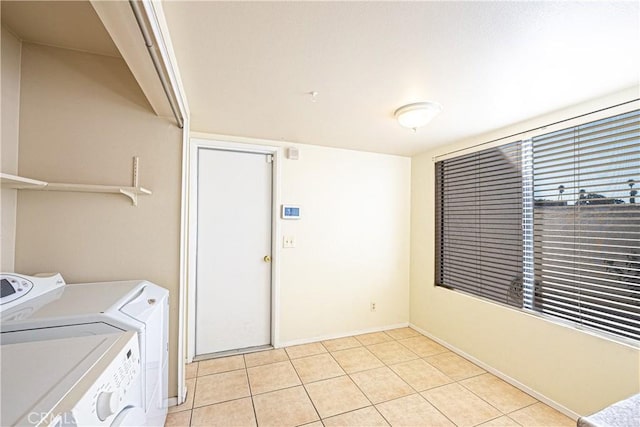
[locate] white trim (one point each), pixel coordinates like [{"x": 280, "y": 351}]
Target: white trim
[
  {"x": 167, "y": 70},
  {"x": 344, "y": 335},
  {"x": 211, "y": 143},
  {"x": 192, "y": 189},
  {"x": 276, "y": 248},
  {"x": 256, "y": 143},
  {"x": 184, "y": 257},
  {"x": 172, "y": 401},
  {"x": 541, "y": 397},
  {"x": 171, "y": 62}
]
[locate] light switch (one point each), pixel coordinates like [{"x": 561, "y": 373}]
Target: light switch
[{"x": 288, "y": 242}]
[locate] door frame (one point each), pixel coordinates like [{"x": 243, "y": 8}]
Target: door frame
[{"x": 228, "y": 144}]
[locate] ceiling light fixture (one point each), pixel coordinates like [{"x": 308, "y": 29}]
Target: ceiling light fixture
[{"x": 418, "y": 114}]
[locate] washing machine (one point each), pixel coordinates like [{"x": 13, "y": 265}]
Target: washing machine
[
  {"x": 81, "y": 381},
  {"x": 76, "y": 310}
]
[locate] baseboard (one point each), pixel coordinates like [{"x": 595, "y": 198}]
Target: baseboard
[
  {"x": 172, "y": 401},
  {"x": 541, "y": 397},
  {"x": 341, "y": 335}
]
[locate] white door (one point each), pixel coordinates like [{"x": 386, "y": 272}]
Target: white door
[{"x": 233, "y": 260}]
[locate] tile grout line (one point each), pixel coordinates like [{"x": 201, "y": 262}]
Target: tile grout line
[
  {"x": 420, "y": 393},
  {"x": 445, "y": 385},
  {"x": 375, "y": 408},
  {"x": 193, "y": 401},
  {"x": 417, "y": 392},
  {"x": 222, "y": 372},
  {"x": 253, "y": 404},
  {"x": 357, "y": 386},
  {"x": 485, "y": 400},
  {"x": 524, "y": 407},
  {"x": 373, "y": 405},
  {"x": 305, "y": 388}
]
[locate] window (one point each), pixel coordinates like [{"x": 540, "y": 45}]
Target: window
[
  {"x": 550, "y": 224},
  {"x": 587, "y": 224},
  {"x": 479, "y": 216}
]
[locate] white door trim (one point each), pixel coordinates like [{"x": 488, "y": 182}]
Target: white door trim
[
  {"x": 218, "y": 144},
  {"x": 184, "y": 258}
]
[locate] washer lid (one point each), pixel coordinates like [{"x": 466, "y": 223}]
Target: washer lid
[
  {"x": 57, "y": 332},
  {"x": 76, "y": 301},
  {"x": 37, "y": 375}
]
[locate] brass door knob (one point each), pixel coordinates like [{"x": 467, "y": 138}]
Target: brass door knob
[{"x": 267, "y": 258}]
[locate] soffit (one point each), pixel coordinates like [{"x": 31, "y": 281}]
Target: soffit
[{"x": 65, "y": 24}]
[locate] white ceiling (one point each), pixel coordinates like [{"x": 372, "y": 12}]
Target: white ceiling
[
  {"x": 66, "y": 24},
  {"x": 248, "y": 67}
]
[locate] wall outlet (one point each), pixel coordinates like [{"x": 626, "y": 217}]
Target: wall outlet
[
  {"x": 288, "y": 242},
  {"x": 373, "y": 306}
]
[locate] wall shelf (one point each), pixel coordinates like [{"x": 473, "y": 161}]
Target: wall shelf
[
  {"x": 22, "y": 183},
  {"x": 19, "y": 182}
]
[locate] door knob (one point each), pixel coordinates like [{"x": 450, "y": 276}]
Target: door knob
[{"x": 267, "y": 258}]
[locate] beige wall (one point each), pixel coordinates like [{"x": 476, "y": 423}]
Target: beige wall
[
  {"x": 352, "y": 243},
  {"x": 10, "y": 88},
  {"x": 82, "y": 120},
  {"x": 577, "y": 370}
]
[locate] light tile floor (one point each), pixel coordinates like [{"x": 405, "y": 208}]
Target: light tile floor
[{"x": 396, "y": 377}]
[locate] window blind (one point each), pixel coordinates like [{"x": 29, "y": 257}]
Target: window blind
[
  {"x": 479, "y": 224},
  {"x": 550, "y": 224},
  {"x": 587, "y": 224}
]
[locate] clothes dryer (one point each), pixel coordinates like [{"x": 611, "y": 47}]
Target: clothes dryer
[
  {"x": 80, "y": 381},
  {"x": 74, "y": 310}
]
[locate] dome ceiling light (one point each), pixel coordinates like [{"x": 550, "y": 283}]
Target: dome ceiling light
[{"x": 418, "y": 114}]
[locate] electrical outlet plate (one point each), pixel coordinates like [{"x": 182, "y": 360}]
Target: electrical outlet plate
[{"x": 373, "y": 306}]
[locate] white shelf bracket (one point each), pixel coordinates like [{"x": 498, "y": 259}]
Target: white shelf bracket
[
  {"x": 130, "y": 194},
  {"x": 133, "y": 196},
  {"x": 136, "y": 162}
]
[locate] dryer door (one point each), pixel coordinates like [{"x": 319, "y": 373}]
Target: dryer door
[{"x": 131, "y": 416}]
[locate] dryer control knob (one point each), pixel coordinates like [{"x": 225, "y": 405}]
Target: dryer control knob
[{"x": 107, "y": 404}]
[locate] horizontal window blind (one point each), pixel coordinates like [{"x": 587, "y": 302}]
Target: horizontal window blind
[
  {"x": 587, "y": 224},
  {"x": 479, "y": 224},
  {"x": 551, "y": 224}
]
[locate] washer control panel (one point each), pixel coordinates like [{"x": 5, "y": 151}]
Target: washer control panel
[
  {"x": 14, "y": 287},
  {"x": 108, "y": 396},
  {"x": 18, "y": 288},
  {"x": 116, "y": 388}
]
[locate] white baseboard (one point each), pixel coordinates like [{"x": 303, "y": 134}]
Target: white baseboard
[
  {"x": 341, "y": 335},
  {"x": 541, "y": 397},
  {"x": 173, "y": 401}
]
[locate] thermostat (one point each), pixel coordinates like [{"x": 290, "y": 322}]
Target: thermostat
[{"x": 290, "y": 212}]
